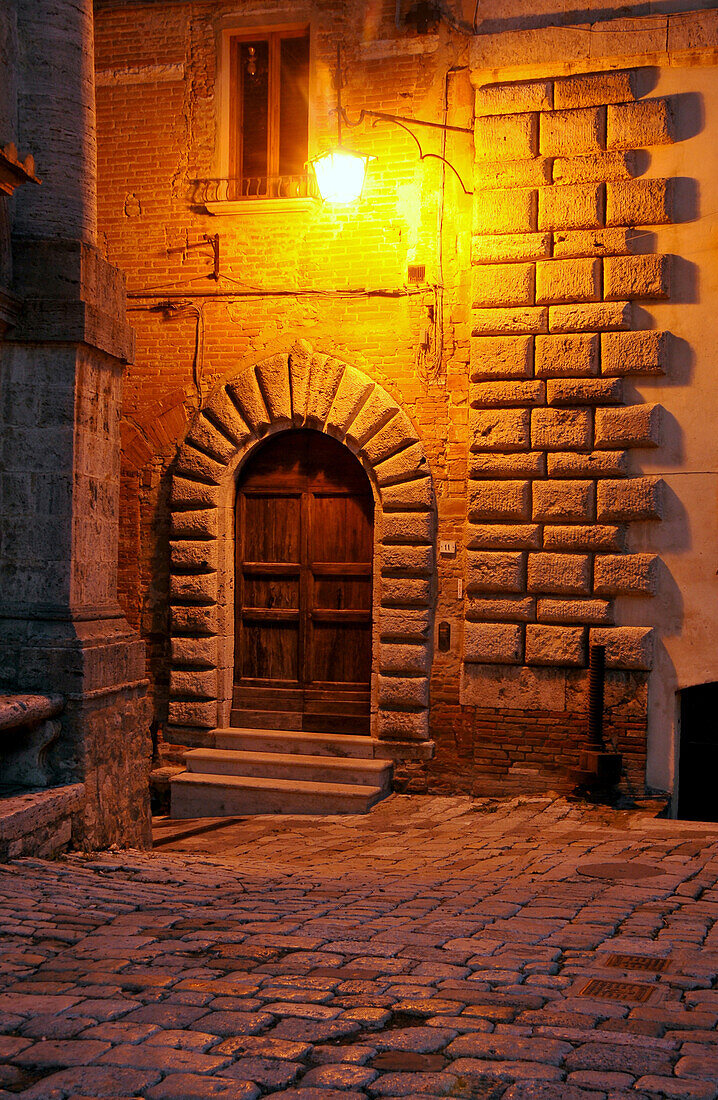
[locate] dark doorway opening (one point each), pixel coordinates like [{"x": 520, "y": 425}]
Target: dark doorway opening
[
  {"x": 303, "y": 592},
  {"x": 698, "y": 760}
]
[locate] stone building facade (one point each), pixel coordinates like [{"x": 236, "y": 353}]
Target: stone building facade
[
  {"x": 74, "y": 758},
  {"x": 513, "y": 330},
  {"x": 533, "y": 412}
]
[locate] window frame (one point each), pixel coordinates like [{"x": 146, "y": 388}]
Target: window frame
[{"x": 228, "y": 33}]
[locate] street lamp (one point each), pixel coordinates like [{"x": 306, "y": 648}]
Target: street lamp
[{"x": 340, "y": 173}]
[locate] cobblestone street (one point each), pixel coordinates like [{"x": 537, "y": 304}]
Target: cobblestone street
[{"x": 531, "y": 950}]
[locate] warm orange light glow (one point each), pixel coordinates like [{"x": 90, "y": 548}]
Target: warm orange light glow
[{"x": 340, "y": 175}]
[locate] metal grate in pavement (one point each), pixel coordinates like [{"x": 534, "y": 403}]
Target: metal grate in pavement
[
  {"x": 617, "y": 991},
  {"x": 638, "y": 962}
]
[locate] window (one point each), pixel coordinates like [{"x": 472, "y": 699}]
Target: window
[{"x": 269, "y": 113}]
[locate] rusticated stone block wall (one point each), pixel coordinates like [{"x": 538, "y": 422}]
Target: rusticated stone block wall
[{"x": 560, "y": 259}]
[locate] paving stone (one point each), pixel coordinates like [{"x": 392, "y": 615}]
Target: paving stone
[
  {"x": 94, "y": 1081},
  {"x": 339, "y": 1076},
  {"x": 316, "y": 1094},
  {"x": 189, "y": 1086},
  {"x": 357, "y": 1054},
  {"x": 120, "y": 1032},
  {"x": 55, "y": 1027},
  {"x": 168, "y": 1059},
  {"x": 270, "y": 1073},
  {"x": 509, "y": 1048},
  {"x": 540, "y": 1090},
  {"x": 182, "y": 1040},
  {"x": 639, "y": 1061},
  {"x": 409, "y": 1084},
  {"x": 420, "y": 1040},
  {"x": 314, "y": 1031},
  {"x": 167, "y": 1016},
  {"x": 58, "y": 1052},
  {"x": 233, "y": 1023},
  {"x": 264, "y": 1047},
  {"x": 702, "y": 1067},
  {"x": 505, "y": 1069}
]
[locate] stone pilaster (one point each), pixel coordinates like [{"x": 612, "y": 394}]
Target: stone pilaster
[{"x": 61, "y": 629}]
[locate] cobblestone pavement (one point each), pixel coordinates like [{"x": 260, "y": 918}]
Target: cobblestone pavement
[{"x": 530, "y": 950}]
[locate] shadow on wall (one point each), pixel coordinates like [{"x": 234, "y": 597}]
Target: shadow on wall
[{"x": 698, "y": 757}]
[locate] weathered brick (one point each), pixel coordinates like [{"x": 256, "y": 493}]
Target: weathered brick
[
  {"x": 195, "y": 652},
  {"x": 626, "y": 646},
  {"x": 625, "y": 574},
  {"x": 640, "y": 125},
  {"x": 410, "y": 496},
  {"x": 582, "y": 318},
  {"x": 595, "y": 464},
  {"x": 406, "y": 527},
  {"x": 403, "y": 725},
  {"x": 593, "y": 242},
  {"x": 595, "y": 169},
  {"x": 193, "y": 494},
  {"x": 578, "y": 131},
  {"x": 509, "y": 247},
  {"x": 634, "y": 352},
  {"x": 201, "y": 524},
  {"x": 495, "y": 572},
  {"x": 400, "y": 657},
  {"x": 193, "y": 587},
  {"x": 578, "y": 206},
  {"x": 182, "y": 712},
  {"x": 584, "y": 391},
  {"x": 500, "y": 430},
  {"x": 501, "y": 608},
  {"x": 503, "y": 536},
  {"x": 631, "y": 426},
  {"x": 555, "y": 645},
  {"x": 593, "y": 537},
  {"x": 514, "y": 98},
  {"x": 639, "y": 202},
  {"x": 407, "y": 560},
  {"x": 564, "y": 574},
  {"x": 566, "y": 355},
  {"x": 507, "y": 137},
  {"x": 501, "y": 357},
  {"x": 568, "y": 281},
  {"x": 406, "y": 592},
  {"x": 519, "y": 464},
  {"x": 197, "y": 555},
  {"x": 574, "y": 611},
  {"x": 488, "y": 395},
  {"x": 502, "y": 284},
  {"x": 500, "y": 500},
  {"x": 554, "y": 501},
  {"x": 403, "y": 691},
  {"x": 193, "y": 683},
  {"x": 509, "y": 211},
  {"x": 490, "y": 175},
  {"x": 589, "y": 89},
  {"x": 493, "y": 643},
  {"x": 637, "y": 498},
  {"x": 509, "y": 322},
  {"x": 561, "y": 429},
  {"x": 406, "y": 625},
  {"x": 636, "y": 277}
]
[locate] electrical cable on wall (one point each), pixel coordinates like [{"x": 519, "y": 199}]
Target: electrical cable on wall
[{"x": 183, "y": 309}]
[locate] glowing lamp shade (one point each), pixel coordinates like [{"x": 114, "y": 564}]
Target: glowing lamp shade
[{"x": 340, "y": 175}]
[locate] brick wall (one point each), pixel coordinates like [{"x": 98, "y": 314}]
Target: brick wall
[{"x": 525, "y": 423}]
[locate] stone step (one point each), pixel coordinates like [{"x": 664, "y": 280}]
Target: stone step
[
  {"x": 276, "y": 765},
  {"x": 291, "y": 741},
  {"x": 237, "y": 796}
]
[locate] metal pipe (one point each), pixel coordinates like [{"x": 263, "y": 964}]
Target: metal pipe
[{"x": 596, "y": 681}]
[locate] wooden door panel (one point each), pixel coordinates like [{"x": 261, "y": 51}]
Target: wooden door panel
[
  {"x": 304, "y": 580},
  {"x": 279, "y": 591},
  {"x": 340, "y": 528},
  {"x": 342, "y": 593},
  {"x": 270, "y": 650},
  {"x": 272, "y": 528},
  {"x": 340, "y": 653}
]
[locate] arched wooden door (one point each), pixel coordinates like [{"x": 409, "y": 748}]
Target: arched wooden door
[{"x": 303, "y": 592}]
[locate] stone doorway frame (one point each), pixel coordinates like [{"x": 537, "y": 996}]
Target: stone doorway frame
[{"x": 300, "y": 388}]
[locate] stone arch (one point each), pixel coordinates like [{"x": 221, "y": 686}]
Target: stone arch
[{"x": 302, "y": 388}]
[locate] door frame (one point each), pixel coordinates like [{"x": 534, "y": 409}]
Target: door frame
[{"x": 298, "y": 389}]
